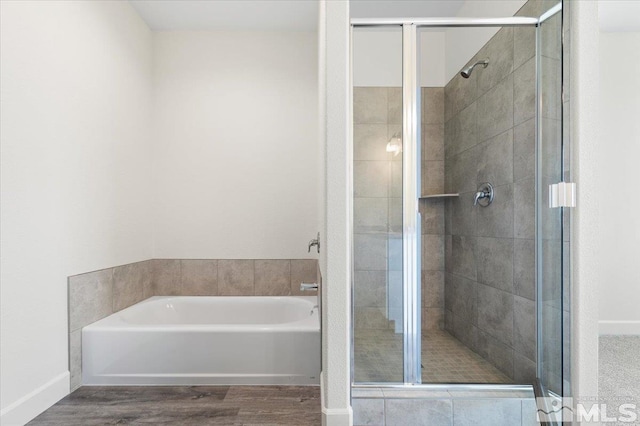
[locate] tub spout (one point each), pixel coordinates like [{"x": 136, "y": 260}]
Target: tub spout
[{"x": 308, "y": 286}]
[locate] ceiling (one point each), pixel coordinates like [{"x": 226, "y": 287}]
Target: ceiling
[{"x": 273, "y": 15}]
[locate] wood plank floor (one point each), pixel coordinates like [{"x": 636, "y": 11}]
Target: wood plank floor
[{"x": 186, "y": 405}]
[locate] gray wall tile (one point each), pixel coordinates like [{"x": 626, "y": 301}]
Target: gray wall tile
[
  {"x": 272, "y": 277},
  {"x": 499, "y": 52},
  {"x": 495, "y": 110},
  {"x": 75, "y": 359},
  {"x": 128, "y": 284},
  {"x": 524, "y": 272},
  {"x": 415, "y": 412},
  {"x": 432, "y": 142},
  {"x": 433, "y": 105},
  {"x": 370, "y": 105},
  {"x": 524, "y": 323},
  {"x": 369, "y": 142},
  {"x": 370, "y": 252},
  {"x": 524, "y": 45},
  {"x": 370, "y": 214},
  {"x": 433, "y": 252},
  {"x": 394, "y": 105},
  {"x": 495, "y": 262},
  {"x": 495, "y": 313},
  {"x": 524, "y": 370},
  {"x": 496, "y": 352},
  {"x": 370, "y": 288},
  {"x": 495, "y": 163},
  {"x": 166, "y": 278},
  {"x": 432, "y": 289},
  {"x": 303, "y": 271},
  {"x": 463, "y": 256},
  {"x": 90, "y": 298},
  {"x": 199, "y": 277},
  {"x": 235, "y": 278},
  {"x": 368, "y": 411},
  {"x": 486, "y": 411},
  {"x": 524, "y": 150},
  {"x": 461, "y": 131},
  {"x": 524, "y": 92},
  {"x": 433, "y": 177},
  {"x": 432, "y": 215},
  {"x": 370, "y": 178},
  {"x": 524, "y": 209},
  {"x": 459, "y": 93}
]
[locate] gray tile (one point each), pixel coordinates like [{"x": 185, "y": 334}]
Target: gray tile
[
  {"x": 75, "y": 359},
  {"x": 495, "y": 313},
  {"x": 432, "y": 318},
  {"x": 370, "y": 252},
  {"x": 495, "y": 352},
  {"x": 166, "y": 277},
  {"x": 371, "y": 178},
  {"x": 463, "y": 256},
  {"x": 370, "y": 288},
  {"x": 272, "y": 277},
  {"x": 465, "y": 302},
  {"x": 524, "y": 268},
  {"x": 433, "y": 177},
  {"x": 433, "y": 289},
  {"x": 370, "y": 318},
  {"x": 235, "y": 277},
  {"x": 461, "y": 131},
  {"x": 128, "y": 285},
  {"x": 432, "y": 142},
  {"x": 494, "y": 258},
  {"x": 395, "y": 214},
  {"x": 199, "y": 277},
  {"x": 394, "y": 105},
  {"x": 524, "y": 92},
  {"x": 529, "y": 411},
  {"x": 448, "y": 253},
  {"x": 448, "y": 321},
  {"x": 550, "y": 88},
  {"x": 370, "y": 214},
  {"x": 495, "y": 163},
  {"x": 433, "y": 105},
  {"x": 524, "y": 333},
  {"x": 370, "y": 105},
  {"x": 463, "y": 215},
  {"x": 369, "y": 142},
  {"x": 459, "y": 93},
  {"x": 464, "y": 171},
  {"x": 487, "y": 411},
  {"x": 433, "y": 252},
  {"x": 524, "y": 198},
  {"x": 524, "y": 370},
  {"x": 394, "y": 180},
  {"x": 303, "y": 271},
  {"x": 394, "y": 252},
  {"x": 415, "y": 412},
  {"x": 499, "y": 52},
  {"x": 449, "y": 291},
  {"x": 495, "y": 110},
  {"x": 90, "y": 298},
  {"x": 496, "y": 220},
  {"x": 368, "y": 411},
  {"x": 432, "y": 215},
  {"x": 524, "y": 45},
  {"x": 524, "y": 150}
]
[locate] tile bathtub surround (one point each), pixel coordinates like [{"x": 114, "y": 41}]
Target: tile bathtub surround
[
  {"x": 96, "y": 295},
  {"x": 489, "y": 136}
]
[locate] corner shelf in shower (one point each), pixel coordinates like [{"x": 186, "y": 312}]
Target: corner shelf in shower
[{"x": 435, "y": 196}]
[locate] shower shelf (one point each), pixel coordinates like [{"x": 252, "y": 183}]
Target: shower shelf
[{"x": 430, "y": 196}]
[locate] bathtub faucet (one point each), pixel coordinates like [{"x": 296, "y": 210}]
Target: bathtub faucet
[{"x": 308, "y": 286}]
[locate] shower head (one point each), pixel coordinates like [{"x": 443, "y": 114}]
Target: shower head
[{"x": 466, "y": 73}]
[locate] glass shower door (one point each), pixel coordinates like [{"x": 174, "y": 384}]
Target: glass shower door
[
  {"x": 549, "y": 242},
  {"x": 378, "y": 334}
]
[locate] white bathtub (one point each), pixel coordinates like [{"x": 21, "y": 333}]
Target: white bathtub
[{"x": 205, "y": 340}]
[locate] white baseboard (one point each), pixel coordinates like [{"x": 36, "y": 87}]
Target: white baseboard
[
  {"x": 337, "y": 416},
  {"x": 619, "y": 327},
  {"x": 29, "y": 406}
]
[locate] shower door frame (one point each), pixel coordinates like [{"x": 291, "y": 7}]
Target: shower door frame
[{"x": 411, "y": 244}]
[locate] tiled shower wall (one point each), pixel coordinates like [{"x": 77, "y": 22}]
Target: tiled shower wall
[
  {"x": 96, "y": 295},
  {"x": 490, "y": 251},
  {"x": 378, "y": 208}
]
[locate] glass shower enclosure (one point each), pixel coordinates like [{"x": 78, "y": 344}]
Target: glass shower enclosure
[{"x": 457, "y": 255}]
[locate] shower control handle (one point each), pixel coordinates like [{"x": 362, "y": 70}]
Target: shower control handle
[
  {"x": 484, "y": 196},
  {"x": 315, "y": 242}
]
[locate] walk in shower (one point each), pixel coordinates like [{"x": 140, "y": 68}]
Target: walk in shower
[{"x": 457, "y": 255}]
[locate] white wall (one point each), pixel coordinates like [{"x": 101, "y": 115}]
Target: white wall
[
  {"x": 620, "y": 150},
  {"x": 462, "y": 43},
  {"x": 377, "y": 58},
  {"x": 75, "y": 110},
  {"x": 236, "y": 144}
]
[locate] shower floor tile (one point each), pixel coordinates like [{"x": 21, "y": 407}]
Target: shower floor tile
[{"x": 378, "y": 358}]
